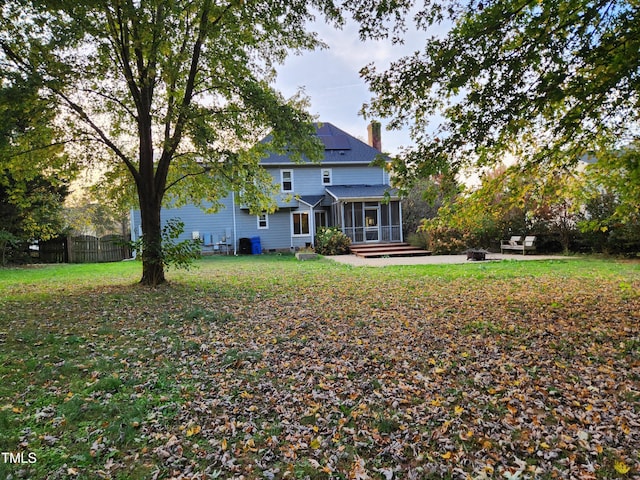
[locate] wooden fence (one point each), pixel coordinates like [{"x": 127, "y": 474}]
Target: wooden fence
[{"x": 84, "y": 249}]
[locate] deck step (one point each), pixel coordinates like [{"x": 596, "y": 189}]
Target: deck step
[
  {"x": 377, "y": 246},
  {"x": 373, "y": 250}
]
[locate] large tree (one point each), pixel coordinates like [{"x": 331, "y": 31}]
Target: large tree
[
  {"x": 542, "y": 80},
  {"x": 168, "y": 93}
]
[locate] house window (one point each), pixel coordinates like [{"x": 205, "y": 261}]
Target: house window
[
  {"x": 263, "y": 221},
  {"x": 286, "y": 180},
  {"x": 301, "y": 223},
  {"x": 326, "y": 176}
]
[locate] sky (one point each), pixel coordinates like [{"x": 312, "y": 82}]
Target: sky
[{"x": 331, "y": 80}]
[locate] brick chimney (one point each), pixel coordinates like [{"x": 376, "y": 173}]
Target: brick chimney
[{"x": 375, "y": 138}]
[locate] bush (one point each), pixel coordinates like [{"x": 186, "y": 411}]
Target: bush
[
  {"x": 331, "y": 241},
  {"x": 443, "y": 239},
  {"x": 178, "y": 254},
  {"x": 419, "y": 239}
]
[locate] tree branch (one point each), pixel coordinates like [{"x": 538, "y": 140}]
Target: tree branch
[{"x": 28, "y": 68}]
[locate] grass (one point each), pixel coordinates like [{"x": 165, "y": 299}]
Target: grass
[{"x": 272, "y": 368}]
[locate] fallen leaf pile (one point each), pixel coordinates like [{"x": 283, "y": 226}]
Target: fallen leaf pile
[{"x": 332, "y": 374}]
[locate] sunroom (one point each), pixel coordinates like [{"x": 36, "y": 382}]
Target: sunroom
[{"x": 367, "y": 213}]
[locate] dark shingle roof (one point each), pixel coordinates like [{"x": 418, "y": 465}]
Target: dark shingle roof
[
  {"x": 311, "y": 200},
  {"x": 360, "y": 192},
  {"x": 340, "y": 148}
]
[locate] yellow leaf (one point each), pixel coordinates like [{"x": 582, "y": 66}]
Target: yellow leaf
[
  {"x": 458, "y": 410},
  {"x": 194, "y": 430},
  {"x": 17, "y": 409},
  {"x": 621, "y": 467},
  {"x": 316, "y": 443},
  {"x": 223, "y": 444},
  {"x": 446, "y": 456}
]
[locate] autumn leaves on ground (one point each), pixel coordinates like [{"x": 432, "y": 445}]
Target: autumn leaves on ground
[{"x": 273, "y": 368}]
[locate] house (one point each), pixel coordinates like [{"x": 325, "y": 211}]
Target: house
[{"x": 343, "y": 190}]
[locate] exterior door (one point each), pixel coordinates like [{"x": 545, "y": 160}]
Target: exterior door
[{"x": 372, "y": 224}]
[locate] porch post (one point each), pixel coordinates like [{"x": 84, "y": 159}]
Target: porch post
[
  {"x": 312, "y": 226},
  {"x": 400, "y": 212}
]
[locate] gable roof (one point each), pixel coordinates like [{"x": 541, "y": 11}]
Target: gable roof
[{"x": 340, "y": 148}]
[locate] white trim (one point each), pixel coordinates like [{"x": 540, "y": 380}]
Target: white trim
[
  {"x": 322, "y": 170},
  {"x": 401, "y": 225},
  {"x": 266, "y": 221},
  {"x": 312, "y": 226},
  {"x": 282, "y": 172},
  {"x": 293, "y": 234}
]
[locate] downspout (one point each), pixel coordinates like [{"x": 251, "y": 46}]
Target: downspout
[{"x": 233, "y": 210}]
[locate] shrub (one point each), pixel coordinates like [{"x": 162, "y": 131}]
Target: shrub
[
  {"x": 331, "y": 241},
  {"x": 419, "y": 239},
  {"x": 444, "y": 239},
  {"x": 178, "y": 254}
]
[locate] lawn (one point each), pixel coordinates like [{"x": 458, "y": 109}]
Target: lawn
[{"x": 273, "y": 368}]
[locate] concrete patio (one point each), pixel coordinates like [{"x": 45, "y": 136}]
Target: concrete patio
[{"x": 436, "y": 259}]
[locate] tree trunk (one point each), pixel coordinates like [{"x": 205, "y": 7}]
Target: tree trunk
[{"x": 152, "y": 256}]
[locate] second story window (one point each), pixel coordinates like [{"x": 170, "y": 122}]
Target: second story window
[
  {"x": 286, "y": 180},
  {"x": 326, "y": 176}
]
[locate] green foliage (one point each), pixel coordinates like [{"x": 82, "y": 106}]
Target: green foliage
[
  {"x": 96, "y": 218},
  {"x": 419, "y": 239},
  {"x": 30, "y": 209},
  {"x": 509, "y": 201},
  {"x": 542, "y": 80},
  {"x": 179, "y": 254},
  {"x": 8, "y": 242},
  {"x": 443, "y": 239},
  {"x": 192, "y": 79},
  {"x": 331, "y": 241},
  {"x": 424, "y": 198},
  {"x": 34, "y": 175}
]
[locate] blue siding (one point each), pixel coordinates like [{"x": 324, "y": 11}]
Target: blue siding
[
  {"x": 216, "y": 225},
  {"x": 349, "y": 163},
  {"x": 307, "y": 180},
  {"x": 277, "y": 236}
]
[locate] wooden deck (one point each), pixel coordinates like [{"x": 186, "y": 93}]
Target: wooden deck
[{"x": 373, "y": 250}]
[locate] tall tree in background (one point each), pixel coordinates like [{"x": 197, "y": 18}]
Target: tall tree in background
[
  {"x": 167, "y": 92},
  {"x": 542, "y": 80},
  {"x": 34, "y": 170}
]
